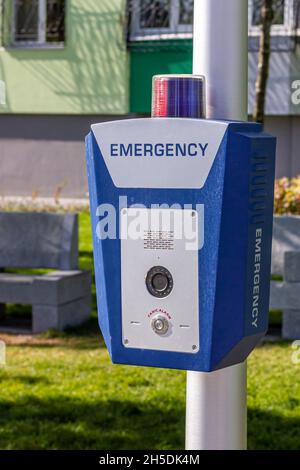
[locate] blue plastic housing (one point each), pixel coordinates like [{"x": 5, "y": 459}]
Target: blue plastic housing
[{"x": 234, "y": 261}]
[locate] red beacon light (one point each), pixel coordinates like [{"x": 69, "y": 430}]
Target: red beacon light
[{"x": 181, "y": 96}]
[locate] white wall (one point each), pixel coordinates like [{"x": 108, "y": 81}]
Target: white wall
[{"x": 39, "y": 154}]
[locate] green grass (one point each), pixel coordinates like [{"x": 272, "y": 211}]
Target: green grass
[
  {"x": 60, "y": 391},
  {"x": 275, "y": 319}
]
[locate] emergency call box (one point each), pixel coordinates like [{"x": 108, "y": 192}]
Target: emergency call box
[{"x": 181, "y": 213}]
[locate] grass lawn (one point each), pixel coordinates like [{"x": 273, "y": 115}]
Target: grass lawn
[{"x": 60, "y": 391}]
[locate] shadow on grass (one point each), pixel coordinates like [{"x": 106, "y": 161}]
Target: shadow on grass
[
  {"x": 28, "y": 379},
  {"x": 75, "y": 345},
  {"x": 86, "y": 336},
  {"x": 270, "y": 431},
  {"x": 66, "y": 423}
]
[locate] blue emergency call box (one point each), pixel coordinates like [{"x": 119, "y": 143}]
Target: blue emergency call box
[{"x": 181, "y": 213}]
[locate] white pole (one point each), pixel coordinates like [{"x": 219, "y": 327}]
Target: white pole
[
  {"x": 221, "y": 54},
  {"x": 216, "y": 409},
  {"x": 216, "y": 412}
]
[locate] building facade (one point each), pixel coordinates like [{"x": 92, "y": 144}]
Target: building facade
[{"x": 67, "y": 63}]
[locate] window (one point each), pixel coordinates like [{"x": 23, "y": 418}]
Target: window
[
  {"x": 283, "y": 22},
  {"x": 154, "y": 15},
  {"x": 151, "y": 19},
  {"x": 278, "y": 16},
  {"x": 38, "y": 22},
  {"x": 186, "y": 12},
  {"x": 163, "y": 19}
]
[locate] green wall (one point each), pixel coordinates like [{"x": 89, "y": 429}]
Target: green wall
[
  {"x": 90, "y": 75},
  {"x": 154, "y": 58}
]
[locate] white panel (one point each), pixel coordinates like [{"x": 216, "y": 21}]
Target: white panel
[
  {"x": 164, "y": 171},
  {"x": 157, "y": 246}
]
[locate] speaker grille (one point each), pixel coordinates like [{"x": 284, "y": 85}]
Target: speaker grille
[{"x": 158, "y": 240}]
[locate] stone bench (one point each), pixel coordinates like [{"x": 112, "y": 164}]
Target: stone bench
[
  {"x": 285, "y": 295},
  {"x": 286, "y": 237},
  {"x": 59, "y": 298}
]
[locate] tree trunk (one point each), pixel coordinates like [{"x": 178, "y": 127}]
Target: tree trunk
[{"x": 264, "y": 60}]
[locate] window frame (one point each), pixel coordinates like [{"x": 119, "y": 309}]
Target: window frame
[
  {"x": 174, "y": 31},
  {"x": 41, "y": 41},
  {"x": 285, "y": 29},
  {"x": 177, "y": 31}
]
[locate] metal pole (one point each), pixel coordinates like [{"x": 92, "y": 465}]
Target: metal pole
[
  {"x": 216, "y": 411},
  {"x": 221, "y": 54}
]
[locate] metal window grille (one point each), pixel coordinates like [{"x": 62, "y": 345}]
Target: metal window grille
[
  {"x": 284, "y": 22},
  {"x": 160, "y": 18},
  {"x": 279, "y": 8},
  {"x": 38, "y": 22},
  {"x": 164, "y": 19}
]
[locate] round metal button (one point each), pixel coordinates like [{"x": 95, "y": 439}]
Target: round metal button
[{"x": 160, "y": 325}]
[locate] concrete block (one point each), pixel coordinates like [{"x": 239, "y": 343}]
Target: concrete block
[
  {"x": 38, "y": 240},
  {"x": 59, "y": 317},
  {"x": 16, "y": 289},
  {"x": 292, "y": 266},
  {"x": 74, "y": 313},
  {"x": 60, "y": 287},
  {"x": 286, "y": 237},
  {"x": 68, "y": 258},
  {"x": 285, "y": 296},
  {"x": 291, "y": 324},
  {"x": 41, "y": 240},
  {"x": 56, "y": 287},
  {"x": 44, "y": 317}
]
